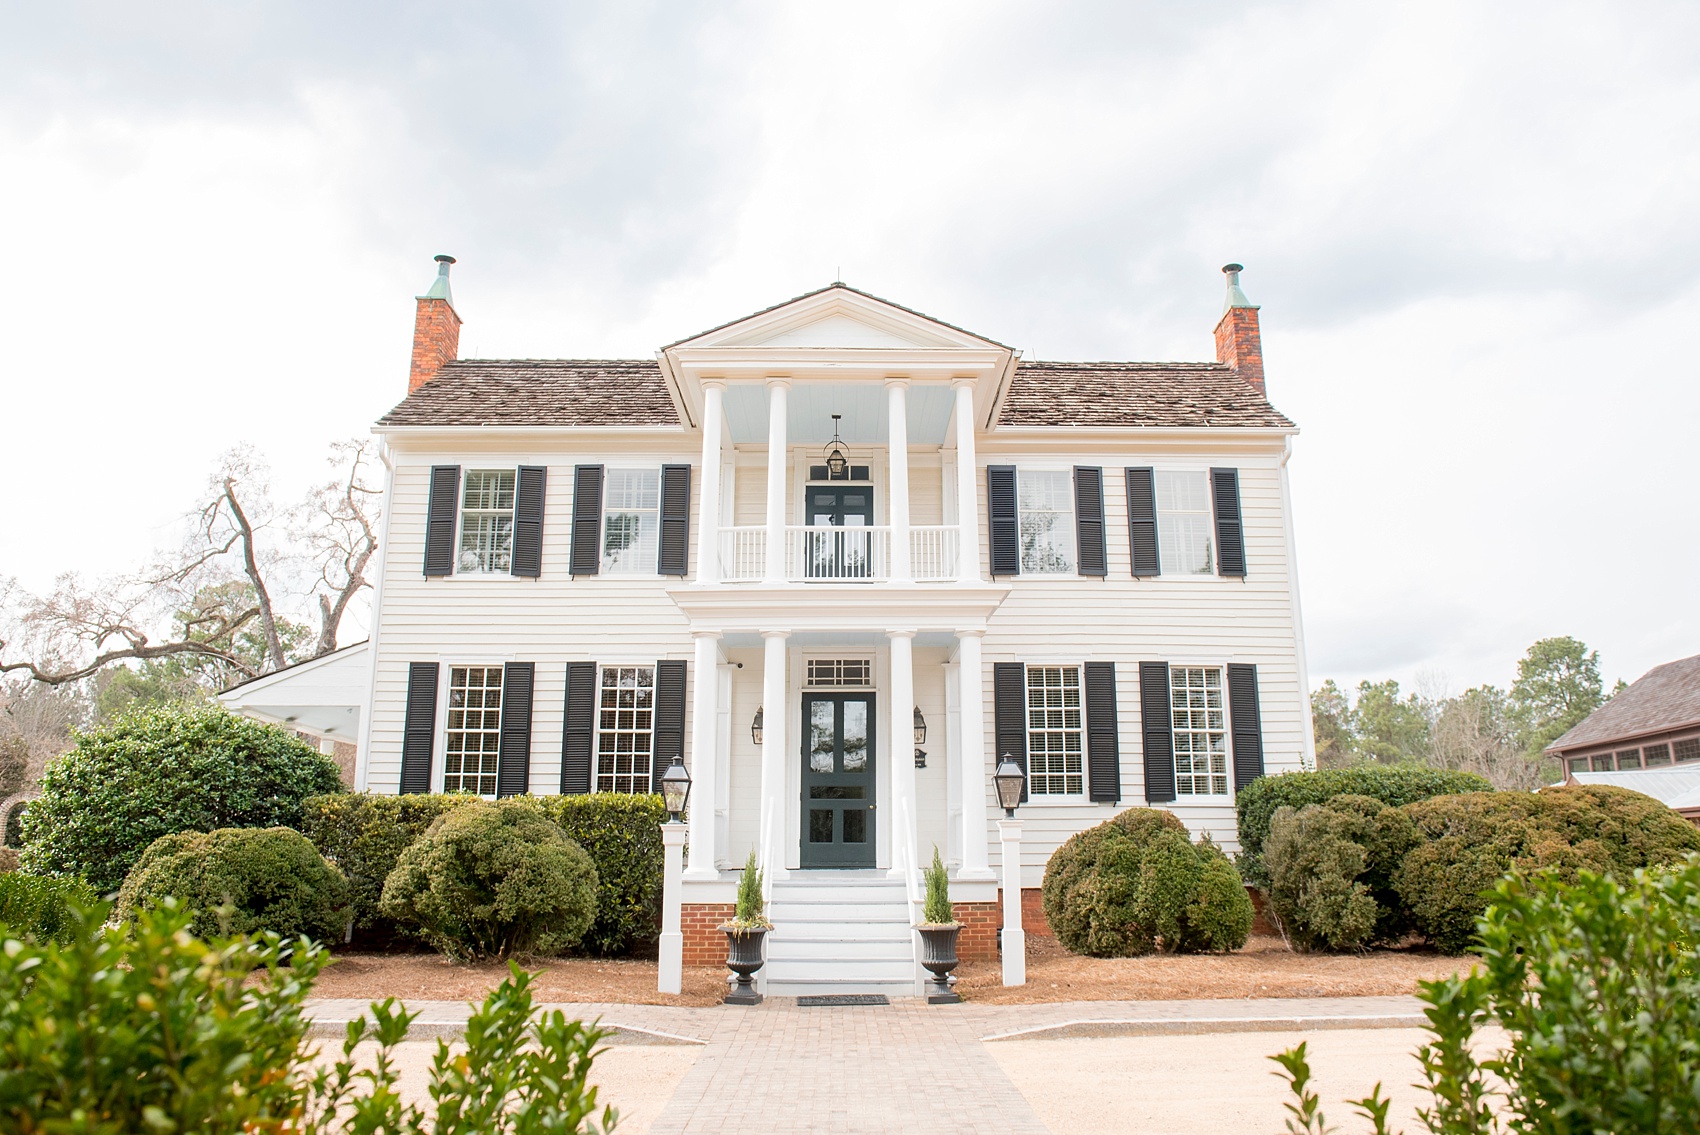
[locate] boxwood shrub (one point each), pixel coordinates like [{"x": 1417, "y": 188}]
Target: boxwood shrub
[
  {"x": 160, "y": 770},
  {"x": 493, "y": 879},
  {"x": 265, "y": 878},
  {"x": 1331, "y": 868},
  {"x": 365, "y": 834},
  {"x": 40, "y": 906},
  {"x": 1137, "y": 883},
  {"x": 1391, "y": 784}
]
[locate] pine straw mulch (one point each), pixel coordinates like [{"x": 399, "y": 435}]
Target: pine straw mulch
[{"x": 1265, "y": 967}]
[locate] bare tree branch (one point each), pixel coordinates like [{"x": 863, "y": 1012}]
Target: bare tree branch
[{"x": 339, "y": 522}]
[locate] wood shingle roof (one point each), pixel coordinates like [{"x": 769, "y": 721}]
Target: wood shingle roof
[{"x": 1665, "y": 697}]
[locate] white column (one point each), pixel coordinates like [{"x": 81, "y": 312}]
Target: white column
[
  {"x": 897, "y": 434},
  {"x": 971, "y": 711},
  {"x": 903, "y": 833},
  {"x": 671, "y": 971},
  {"x": 1014, "y": 939},
  {"x": 777, "y": 389},
  {"x": 705, "y": 755},
  {"x": 770, "y": 854},
  {"x": 967, "y": 487},
  {"x": 708, "y": 511}
]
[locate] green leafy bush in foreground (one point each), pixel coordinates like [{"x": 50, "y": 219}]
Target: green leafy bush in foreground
[
  {"x": 1137, "y": 883},
  {"x": 1396, "y": 785},
  {"x": 365, "y": 834},
  {"x": 492, "y": 879},
  {"x": 1596, "y": 982},
  {"x": 159, "y": 771},
  {"x": 147, "y": 1028},
  {"x": 242, "y": 881},
  {"x": 40, "y": 906}
]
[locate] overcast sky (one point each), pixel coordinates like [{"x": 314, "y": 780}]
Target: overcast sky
[{"x": 1474, "y": 230}]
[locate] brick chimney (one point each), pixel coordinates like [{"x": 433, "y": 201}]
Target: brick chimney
[
  {"x": 436, "y": 329},
  {"x": 1237, "y": 341}
]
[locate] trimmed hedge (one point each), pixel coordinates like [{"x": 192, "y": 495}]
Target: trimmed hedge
[
  {"x": 1331, "y": 868},
  {"x": 492, "y": 879},
  {"x": 40, "y": 906},
  {"x": 267, "y": 878},
  {"x": 1137, "y": 883},
  {"x": 1469, "y": 842},
  {"x": 1391, "y": 784},
  {"x": 365, "y": 835},
  {"x": 160, "y": 770}
]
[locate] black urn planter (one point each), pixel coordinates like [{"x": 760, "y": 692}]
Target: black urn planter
[
  {"x": 938, "y": 955},
  {"x": 744, "y": 958}
]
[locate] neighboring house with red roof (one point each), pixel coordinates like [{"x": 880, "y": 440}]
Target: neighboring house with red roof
[
  {"x": 1654, "y": 723},
  {"x": 838, "y": 557}
]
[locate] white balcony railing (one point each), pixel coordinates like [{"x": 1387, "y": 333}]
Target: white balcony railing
[{"x": 820, "y": 553}]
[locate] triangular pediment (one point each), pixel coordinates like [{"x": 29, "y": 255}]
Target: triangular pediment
[{"x": 838, "y": 317}]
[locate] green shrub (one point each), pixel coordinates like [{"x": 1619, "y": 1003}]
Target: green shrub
[
  {"x": 1137, "y": 883},
  {"x": 936, "y": 911},
  {"x": 1391, "y": 784},
  {"x": 242, "y": 881},
  {"x": 146, "y": 1027},
  {"x": 491, "y": 879},
  {"x": 160, "y": 770},
  {"x": 622, "y": 835},
  {"x": 1468, "y": 842},
  {"x": 1596, "y": 983},
  {"x": 1331, "y": 867},
  {"x": 364, "y": 835},
  {"x": 749, "y": 908},
  {"x": 40, "y": 906}
]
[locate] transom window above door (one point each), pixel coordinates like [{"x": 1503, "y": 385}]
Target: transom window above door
[{"x": 840, "y": 672}]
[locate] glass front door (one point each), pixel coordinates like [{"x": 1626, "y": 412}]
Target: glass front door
[
  {"x": 838, "y": 780},
  {"x": 839, "y": 555}
]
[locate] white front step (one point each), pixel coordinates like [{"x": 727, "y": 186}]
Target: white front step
[{"x": 836, "y": 932}]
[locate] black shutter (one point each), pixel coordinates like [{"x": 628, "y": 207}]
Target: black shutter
[
  {"x": 513, "y": 761},
  {"x": 1009, "y": 715},
  {"x": 1005, "y": 527},
  {"x": 1158, "y": 730},
  {"x": 578, "y": 734},
  {"x": 1089, "y": 521},
  {"x": 1230, "y": 532},
  {"x": 440, "y": 520},
  {"x": 528, "y": 521},
  {"x": 675, "y": 519},
  {"x": 1103, "y": 747},
  {"x": 587, "y": 520},
  {"x": 1247, "y": 720},
  {"x": 419, "y": 727},
  {"x": 669, "y": 719},
  {"x": 1142, "y": 521}
]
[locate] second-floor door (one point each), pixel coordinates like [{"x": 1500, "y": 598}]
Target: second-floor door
[{"x": 839, "y": 555}]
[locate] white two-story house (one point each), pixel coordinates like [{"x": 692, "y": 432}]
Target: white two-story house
[{"x": 839, "y": 557}]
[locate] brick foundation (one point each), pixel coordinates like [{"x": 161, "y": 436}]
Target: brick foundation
[{"x": 705, "y": 945}]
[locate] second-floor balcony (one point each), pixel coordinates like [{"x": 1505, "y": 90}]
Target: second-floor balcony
[{"x": 820, "y": 553}]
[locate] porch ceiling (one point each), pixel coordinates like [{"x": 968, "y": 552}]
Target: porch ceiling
[{"x": 810, "y": 406}]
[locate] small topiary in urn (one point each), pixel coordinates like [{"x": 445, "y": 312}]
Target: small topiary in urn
[
  {"x": 938, "y": 933},
  {"x": 744, "y": 934}
]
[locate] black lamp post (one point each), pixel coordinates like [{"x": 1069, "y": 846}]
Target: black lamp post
[
  {"x": 1009, "y": 780},
  {"x": 675, "y": 789}
]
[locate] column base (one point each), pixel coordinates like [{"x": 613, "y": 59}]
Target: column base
[
  {"x": 671, "y": 971},
  {"x": 701, "y": 875},
  {"x": 1014, "y": 944}
]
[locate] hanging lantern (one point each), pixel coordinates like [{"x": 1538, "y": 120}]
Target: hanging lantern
[{"x": 837, "y": 456}]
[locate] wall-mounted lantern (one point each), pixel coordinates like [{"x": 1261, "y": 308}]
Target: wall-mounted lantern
[{"x": 755, "y": 727}]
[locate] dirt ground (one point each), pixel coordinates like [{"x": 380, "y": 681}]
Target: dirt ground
[{"x": 1264, "y": 968}]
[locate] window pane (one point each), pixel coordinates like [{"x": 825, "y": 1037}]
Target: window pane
[
  {"x": 631, "y": 520},
  {"x": 1055, "y": 749},
  {"x": 487, "y": 521},
  {"x": 1047, "y": 521},
  {"x": 625, "y": 737},
  {"x": 1200, "y": 735},
  {"x": 473, "y": 740},
  {"x": 1656, "y": 755},
  {"x": 1185, "y": 523}
]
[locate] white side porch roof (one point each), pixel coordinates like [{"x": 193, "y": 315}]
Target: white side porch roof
[{"x": 322, "y": 696}]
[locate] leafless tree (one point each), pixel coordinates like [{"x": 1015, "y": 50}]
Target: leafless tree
[
  {"x": 1474, "y": 732},
  {"x": 225, "y": 596}
]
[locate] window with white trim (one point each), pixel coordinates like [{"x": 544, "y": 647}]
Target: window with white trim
[
  {"x": 1186, "y": 523},
  {"x": 840, "y": 672},
  {"x": 631, "y": 521},
  {"x": 1197, "y": 707},
  {"x": 1045, "y": 499},
  {"x": 625, "y": 731},
  {"x": 474, "y": 739},
  {"x": 1055, "y": 739},
  {"x": 487, "y": 521}
]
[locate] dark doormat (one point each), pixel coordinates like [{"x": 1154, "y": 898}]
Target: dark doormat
[{"x": 842, "y": 999}]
